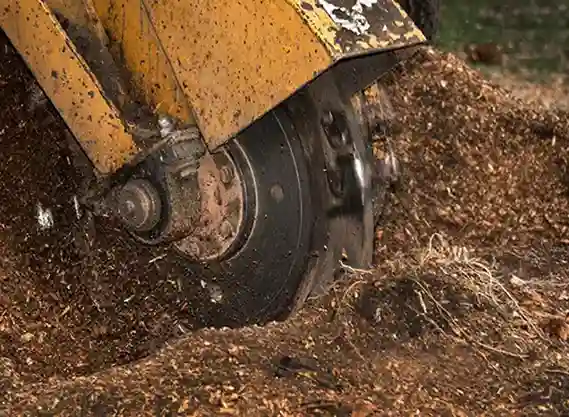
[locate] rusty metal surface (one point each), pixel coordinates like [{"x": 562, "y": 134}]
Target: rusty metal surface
[
  {"x": 354, "y": 27},
  {"x": 222, "y": 209},
  {"x": 236, "y": 60},
  {"x": 66, "y": 79},
  {"x": 134, "y": 44}
]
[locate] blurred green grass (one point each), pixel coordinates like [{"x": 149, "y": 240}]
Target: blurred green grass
[{"x": 534, "y": 34}]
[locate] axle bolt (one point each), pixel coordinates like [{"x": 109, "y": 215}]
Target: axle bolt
[{"x": 139, "y": 206}]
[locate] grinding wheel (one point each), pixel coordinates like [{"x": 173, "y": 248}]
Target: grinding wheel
[{"x": 308, "y": 207}]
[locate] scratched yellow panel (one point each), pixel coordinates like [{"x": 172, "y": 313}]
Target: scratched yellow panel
[
  {"x": 65, "y": 78},
  {"x": 224, "y": 63},
  {"x": 236, "y": 59}
]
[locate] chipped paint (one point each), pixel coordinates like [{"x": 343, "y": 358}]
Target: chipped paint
[
  {"x": 353, "y": 27},
  {"x": 352, "y": 19},
  {"x": 231, "y": 81}
]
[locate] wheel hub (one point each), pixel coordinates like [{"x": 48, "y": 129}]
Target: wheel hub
[
  {"x": 269, "y": 216},
  {"x": 221, "y": 210}
]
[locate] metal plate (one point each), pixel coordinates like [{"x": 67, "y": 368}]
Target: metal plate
[{"x": 354, "y": 27}]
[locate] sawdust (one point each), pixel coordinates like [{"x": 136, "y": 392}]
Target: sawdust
[{"x": 464, "y": 314}]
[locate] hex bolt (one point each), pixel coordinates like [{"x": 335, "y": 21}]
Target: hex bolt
[
  {"x": 186, "y": 171},
  {"x": 226, "y": 174}
]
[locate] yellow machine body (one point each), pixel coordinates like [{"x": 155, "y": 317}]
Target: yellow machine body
[{"x": 219, "y": 64}]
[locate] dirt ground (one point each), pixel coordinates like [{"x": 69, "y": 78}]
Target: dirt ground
[{"x": 464, "y": 315}]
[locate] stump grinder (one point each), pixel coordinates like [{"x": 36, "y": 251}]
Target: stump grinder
[{"x": 235, "y": 133}]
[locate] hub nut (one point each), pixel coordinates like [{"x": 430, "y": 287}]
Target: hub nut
[{"x": 139, "y": 206}]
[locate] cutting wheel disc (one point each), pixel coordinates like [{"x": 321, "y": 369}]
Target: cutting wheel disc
[{"x": 294, "y": 236}]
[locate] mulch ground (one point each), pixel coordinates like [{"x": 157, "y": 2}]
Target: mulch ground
[{"x": 465, "y": 313}]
